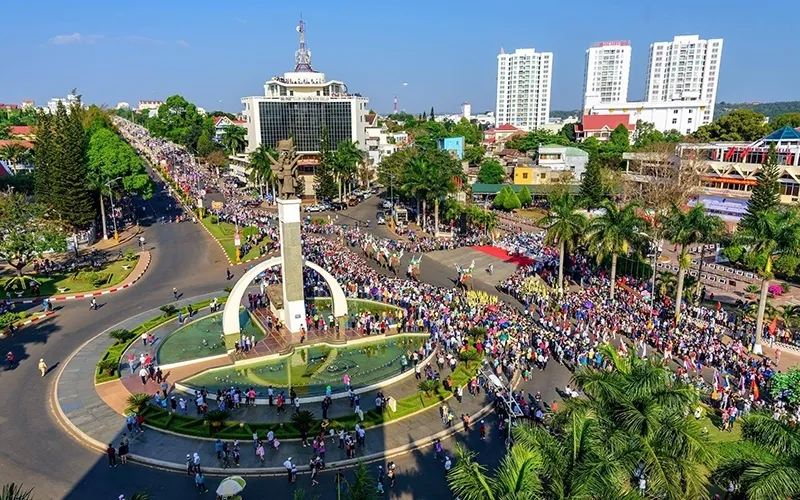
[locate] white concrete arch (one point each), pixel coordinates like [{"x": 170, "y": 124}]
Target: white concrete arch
[{"x": 230, "y": 315}]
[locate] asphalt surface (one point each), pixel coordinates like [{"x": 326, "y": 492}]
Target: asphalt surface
[{"x": 37, "y": 452}]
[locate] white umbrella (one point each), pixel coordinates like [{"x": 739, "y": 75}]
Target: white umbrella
[{"x": 231, "y": 486}]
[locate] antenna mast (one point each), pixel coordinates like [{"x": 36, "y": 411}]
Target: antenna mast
[{"x": 302, "y": 56}]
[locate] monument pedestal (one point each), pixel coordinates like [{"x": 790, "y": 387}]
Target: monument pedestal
[{"x": 294, "y": 307}]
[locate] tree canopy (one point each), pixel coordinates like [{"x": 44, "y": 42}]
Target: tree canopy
[
  {"x": 739, "y": 125},
  {"x": 25, "y": 231},
  {"x": 491, "y": 172},
  {"x": 177, "y": 120}
]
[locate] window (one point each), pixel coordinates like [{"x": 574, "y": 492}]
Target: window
[
  {"x": 674, "y": 121},
  {"x": 689, "y": 120},
  {"x": 674, "y": 112}
]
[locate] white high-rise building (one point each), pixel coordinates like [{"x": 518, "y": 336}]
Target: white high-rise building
[
  {"x": 607, "y": 71},
  {"x": 523, "y": 88},
  {"x": 685, "y": 69}
]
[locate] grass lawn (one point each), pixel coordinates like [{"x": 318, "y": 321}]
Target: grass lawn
[
  {"x": 223, "y": 232},
  {"x": 531, "y": 213},
  {"x": 82, "y": 281}
]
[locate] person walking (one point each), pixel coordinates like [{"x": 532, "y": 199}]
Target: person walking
[
  {"x": 123, "y": 449},
  {"x": 200, "y": 481},
  {"x": 112, "y": 455},
  {"x": 42, "y": 367},
  {"x": 289, "y": 466},
  {"x": 143, "y": 374},
  {"x": 175, "y": 292},
  {"x": 93, "y": 304}
]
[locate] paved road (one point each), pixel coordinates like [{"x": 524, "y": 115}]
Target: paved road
[{"x": 38, "y": 453}]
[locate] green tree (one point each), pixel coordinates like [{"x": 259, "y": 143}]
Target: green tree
[
  {"x": 15, "y": 154},
  {"x": 613, "y": 233},
  {"x": 771, "y": 234},
  {"x": 178, "y": 121},
  {"x": 261, "y": 169},
  {"x": 233, "y": 139},
  {"x": 44, "y": 157},
  {"x": 491, "y": 172},
  {"x": 620, "y": 138},
  {"x": 347, "y": 158},
  {"x": 516, "y": 477},
  {"x": 415, "y": 182},
  {"x": 433, "y": 116},
  {"x": 324, "y": 182},
  {"x": 205, "y": 145},
  {"x": 766, "y": 463},
  {"x": 564, "y": 226},
  {"x": 568, "y": 131},
  {"x": 787, "y": 383},
  {"x": 766, "y": 193},
  {"x": 511, "y": 201},
  {"x": 739, "y": 125},
  {"x": 25, "y": 231},
  {"x": 645, "y": 133},
  {"x": 500, "y": 198},
  {"x": 362, "y": 487},
  {"x": 469, "y": 131},
  {"x": 71, "y": 195},
  {"x": 474, "y": 154},
  {"x": 525, "y": 197},
  {"x": 440, "y": 184},
  {"x": 593, "y": 191},
  {"x": 683, "y": 228},
  {"x": 784, "y": 120}
]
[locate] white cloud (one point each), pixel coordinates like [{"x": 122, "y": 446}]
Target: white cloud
[
  {"x": 183, "y": 43},
  {"x": 75, "y": 38}
]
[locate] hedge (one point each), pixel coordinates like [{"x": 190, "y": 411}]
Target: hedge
[
  {"x": 108, "y": 366},
  {"x": 197, "y": 427}
]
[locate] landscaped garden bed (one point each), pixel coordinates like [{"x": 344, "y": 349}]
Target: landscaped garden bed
[{"x": 108, "y": 366}]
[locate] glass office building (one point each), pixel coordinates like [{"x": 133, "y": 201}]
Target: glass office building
[{"x": 304, "y": 121}]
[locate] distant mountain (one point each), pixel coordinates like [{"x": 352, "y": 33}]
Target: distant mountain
[{"x": 768, "y": 109}]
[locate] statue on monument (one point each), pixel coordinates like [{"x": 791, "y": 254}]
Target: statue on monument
[{"x": 285, "y": 168}]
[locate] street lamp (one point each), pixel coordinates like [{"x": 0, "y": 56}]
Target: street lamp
[
  {"x": 391, "y": 190},
  {"x": 113, "y": 214}
]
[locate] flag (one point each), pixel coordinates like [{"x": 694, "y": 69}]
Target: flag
[
  {"x": 725, "y": 382},
  {"x": 773, "y": 326},
  {"x": 754, "y": 388},
  {"x": 719, "y": 305}
]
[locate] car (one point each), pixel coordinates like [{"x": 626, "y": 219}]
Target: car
[
  {"x": 336, "y": 205},
  {"x": 380, "y": 218},
  {"x": 386, "y": 204},
  {"x": 313, "y": 208}
]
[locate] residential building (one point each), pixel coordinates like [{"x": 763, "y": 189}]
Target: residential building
[
  {"x": 9, "y": 106},
  {"x": 299, "y": 104},
  {"x": 149, "y": 105},
  {"x": 52, "y": 104},
  {"x": 727, "y": 170},
  {"x": 685, "y": 116},
  {"x": 523, "y": 88},
  {"x": 220, "y": 122},
  {"x": 606, "y": 72},
  {"x": 27, "y": 103},
  {"x": 687, "y": 68},
  {"x": 601, "y": 126},
  {"x": 122, "y": 105},
  {"x": 466, "y": 110},
  {"x": 453, "y": 145},
  {"x": 381, "y": 143},
  {"x": 562, "y": 159},
  {"x": 495, "y": 138}
]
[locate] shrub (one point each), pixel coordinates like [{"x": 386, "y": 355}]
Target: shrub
[
  {"x": 470, "y": 356},
  {"x": 786, "y": 287},
  {"x": 130, "y": 254},
  {"x": 525, "y": 197},
  {"x": 137, "y": 402},
  {"x": 303, "y": 421},
  {"x": 775, "y": 290},
  {"x": 108, "y": 366},
  {"x": 511, "y": 201},
  {"x": 228, "y": 289},
  {"x": 121, "y": 336},
  {"x": 169, "y": 310},
  {"x": 499, "y": 199},
  {"x": 752, "y": 289},
  {"x": 217, "y": 417},
  {"x": 214, "y": 219},
  {"x": 429, "y": 387}
]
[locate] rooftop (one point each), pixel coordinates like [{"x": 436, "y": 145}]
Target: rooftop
[
  {"x": 600, "y": 122},
  {"x": 787, "y": 133}
]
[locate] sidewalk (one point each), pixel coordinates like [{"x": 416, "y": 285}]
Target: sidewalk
[
  {"x": 136, "y": 274},
  {"x": 124, "y": 236}
]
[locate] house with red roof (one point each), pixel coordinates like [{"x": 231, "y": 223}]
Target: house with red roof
[
  {"x": 495, "y": 138},
  {"x": 220, "y": 122},
  {"x": 601, "y": 126}
]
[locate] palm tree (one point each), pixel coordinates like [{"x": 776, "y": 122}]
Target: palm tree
[
  {"x": 346, "y": 160},
  {"x": 766, "y": 464},
  {"x": 12, "y": 491},
  {"x": 440, "y": 184},
  {"x": 614, "y": 232},
  {"x": 261, "y": 168},
  {"x": 641, "y": 415},
  {"x": 683, "y": 229},
  {"x": 415, "y": 182},
  {"x": 516, "y": 477},
  {"x": 790, "y": 315},
  {"x": 771, "y": 234},
  {"x": 564, "y": 225},
  {"x": 712, "y": 229},
  {"x": 666, "y": 282},
  {"x": 15, "y": 154},
  {"x": 233, "y": 138}
]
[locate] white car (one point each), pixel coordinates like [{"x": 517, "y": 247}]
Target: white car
[
  {"x": 313, "y": 208},
  {"x": 386, "y": 204}
]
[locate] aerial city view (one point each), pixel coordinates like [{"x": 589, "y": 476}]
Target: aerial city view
[{"x": 405, "y": 267}]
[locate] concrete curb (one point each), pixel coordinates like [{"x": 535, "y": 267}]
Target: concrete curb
[
  {"x": 27, "y": 322},
  {"x": 224, "y": 252},
  {"x": 96, "y": 293}
]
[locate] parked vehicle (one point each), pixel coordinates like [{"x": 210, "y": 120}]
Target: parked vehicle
[{"x": 380, "y": 218}]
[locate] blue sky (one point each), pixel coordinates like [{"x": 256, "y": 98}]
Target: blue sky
[{"x": 214, "y": 53}]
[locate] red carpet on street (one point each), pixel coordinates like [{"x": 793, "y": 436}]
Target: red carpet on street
[{"x": 519, "y": 260}]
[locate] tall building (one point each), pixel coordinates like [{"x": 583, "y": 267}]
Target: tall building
[
  {"x": 523, "y": 88},
  {"x": 606, "y": 73},
  {"x": 300, "y": 103},
  {"x": 685, "y": 69}
]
